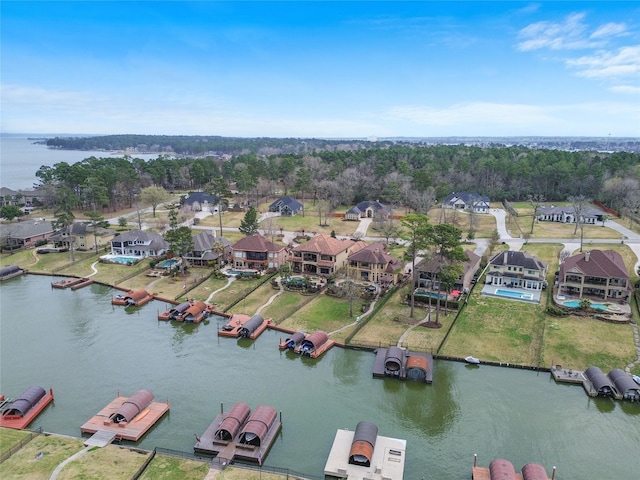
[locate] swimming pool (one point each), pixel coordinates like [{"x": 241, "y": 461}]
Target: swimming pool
[
  {"x": 576, "y": 304},
  {"x": 121, "y": 259},
  {"x": 240, "y": 272},
  {"x": 514, "y": 294},
  {"x": 426, "y": 293},
  {"x": 167, "y": 263}
]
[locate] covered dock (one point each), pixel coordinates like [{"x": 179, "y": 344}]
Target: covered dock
[
  {"x": 172, "y": 313},
  {"x": 195, "y": 313},
  {"x": 501, "y": 469},
  {"x": 23, "y": 410},
  {"x": 365, "y": 454},
  {"x": 290, "y": 343},
  {"x": 600, "y": 382},
  {"x": 314, "y": 344},
  {"x": 10, "y": 271},
  {"x": 253, "y": 327},
  {"x": 233, "y": 325},
  {"x": 134, "y": 298},
  {"x": 399, "y": 363},
  {"x": 129, "y": 418},
  {"x": 625, "y": 385},
  {"x": 240, "y": 434}
]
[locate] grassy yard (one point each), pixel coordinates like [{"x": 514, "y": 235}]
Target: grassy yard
[
  {"x": 164, "y": 467},
  {"x": 497, "y": 330},
  {"x": 38, "y": 458},
  {"x": 483, "y": 225},
  {"x": 323, "y": 313},
  {"x": 10, "y": 437},
  {"x": 107, "y": 463}
]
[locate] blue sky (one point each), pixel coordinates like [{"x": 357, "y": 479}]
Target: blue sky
[{"x": 321, "y": 69}]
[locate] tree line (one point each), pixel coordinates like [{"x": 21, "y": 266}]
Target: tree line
[{"x": 409, "y": 175}]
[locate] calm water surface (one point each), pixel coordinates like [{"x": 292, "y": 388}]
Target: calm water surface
[
  {"x": 20, "y": 159},
  {"x": 87, "y": 350}
]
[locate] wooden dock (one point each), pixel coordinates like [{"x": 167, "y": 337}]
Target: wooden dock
[
  {"x": 208, "y": 444},
  {"x": 21, "y": 422},
  {"x": 68, "y": 282},
  {"x": 233, "y": 325},
  {"x": 133, "y": 430},
  {"x": 84, "y": 283}
]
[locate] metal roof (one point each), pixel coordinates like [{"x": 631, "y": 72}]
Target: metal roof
[
  {"x": 500, "y": 469},
  {"x": 25, "y": 402},
  {"x": 132, "y": 406},
  {"x": 230, "y": 426},
  {"x": 258, "y": 425}
]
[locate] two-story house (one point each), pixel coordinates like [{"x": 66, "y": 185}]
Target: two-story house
[
  {"x": 373, "y": 264},
  {"x": 286, "y": 206},
  {"x": 208, "y": 248},
  {"x": 136, "y": 243},
  {"x": 467, "y": 201},
  {"x": 517, "y": 270},
  {"x": 80, "y": 234},
  {"x": 597, "y": 273},
  {"x": 427, "y": 272},
  {"x": 257, "y": 253},
  {"x": 322, "y": 255}
]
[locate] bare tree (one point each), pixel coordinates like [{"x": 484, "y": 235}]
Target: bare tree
[
  {"x": 579, "y": 204},
  {"x": 269, "y": 228},
  {"x": 536, "y": 202}
]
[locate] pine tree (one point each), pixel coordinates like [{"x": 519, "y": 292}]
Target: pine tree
[{"x": 249, "y": 224}]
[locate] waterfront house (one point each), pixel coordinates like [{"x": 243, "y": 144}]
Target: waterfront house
[
  {"x": 467, "y": 201},
  {"x": 323, "y": 255},
  {"x": 597, "y": 273},
  {"x": 427, "y": 272},
  {"x": 517, "y": 270},
  {"x": 137, "y": 243},
  {"x": 368, "y": 209},
  {"x": 25, "y": 234},
  {"x": 208, "y": 248},
  {"x": 373, "y": 264},
  {"x": 257, "y": 253},
  {"x": 80, "y": 234},
  {"x": 286, "y": 206}
]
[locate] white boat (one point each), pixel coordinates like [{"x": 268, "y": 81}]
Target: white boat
[
  {"x": 636, "y": 379},
  {"x": 472, "y": 360}
]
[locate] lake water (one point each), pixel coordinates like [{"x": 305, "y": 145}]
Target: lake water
[
  {"x": 20, "y": 159},
  {"x": 87, "y": 350}
]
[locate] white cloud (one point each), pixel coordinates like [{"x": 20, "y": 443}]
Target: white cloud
[
  {"x": 569, "y": 34},
  {"x": 626, "y": 89},
  {"x": 609, "y": 30},
  {"x": 606, "y": 64}
]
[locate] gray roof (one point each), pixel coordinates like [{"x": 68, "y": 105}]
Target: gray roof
[
  {"x": 587, "y": 210},
  {"x": 469, "y": 198},
  {"x": 201, "y": 197},
  {"x": 518, "y": 259},
  {"x": 153, "y": 239},
  {"x": 373, "y": 204},
  {"x": 285, "y": 202},
  {"x": 25, "y": 229}
]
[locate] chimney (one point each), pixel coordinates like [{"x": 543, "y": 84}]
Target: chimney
[
  {"x": 506, "y": 256},
  {"x": 586, "y": 256}
]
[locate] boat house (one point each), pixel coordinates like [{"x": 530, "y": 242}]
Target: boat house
[
  {"x": 601, "y": 383},
  {"x": 365, "y": 454}
]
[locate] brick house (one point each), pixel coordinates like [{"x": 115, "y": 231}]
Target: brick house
[
  {"x": 323, "y": 255},
  {"x": 257, "y": 253},
  {"x": 373, "y": 264},
  {"x": 427, "y": 272},
  {"x": 597, "y": 273}
]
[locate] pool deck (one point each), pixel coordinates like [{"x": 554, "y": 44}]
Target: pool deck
[{"x": 492, "y": 291}]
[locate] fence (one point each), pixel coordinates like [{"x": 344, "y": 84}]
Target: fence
[{"x": 22, "y": 443}]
